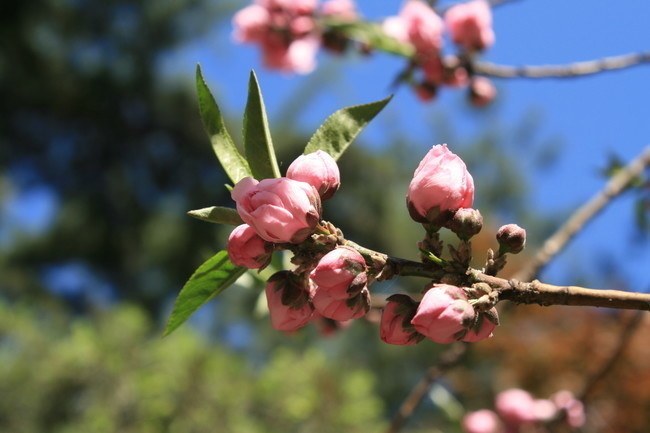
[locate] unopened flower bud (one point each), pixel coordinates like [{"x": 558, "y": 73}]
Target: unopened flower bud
[
  {"x": 574, "y": 408},
  {"x": 483, "y": 326},
  {"x": 317, "y": 169},
  {"x": 440, "y": 184},
  {"x": 246, "y": 248},
  {"x": 444, "y": 314},
  {"x": 341, "y": 273},
  {"x": 511, "y": 238},
  {"x": 341, "y": 309},
  {"x": 395, "y": 326},
  {"x": 470, "y": 25},
  {"x": 289, "y": 301},
  {"x": 516, "y": 407},
  {"x": 482, "y": 421},
  {"x": 466, "y": 223},
  {"x": 279, "y": 210},
  {"x": 481, "y": 92}
]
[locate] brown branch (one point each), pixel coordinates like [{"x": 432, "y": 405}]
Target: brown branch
[
  {"x": 615, "y": 186},
  {"x": 447, "y": 360},
  {"x": 562, "y": 71},
  {"x": 548, "y": 294}
]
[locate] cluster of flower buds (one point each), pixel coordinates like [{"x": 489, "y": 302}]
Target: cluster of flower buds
[
  {"x": 284, "y": 211},
  {"x": 331, "y": 278},
  {"x": 518, "y": 411},
  {"x": 469, "y": 26},
  {"x": 288, "y": 33},
  {"x": 444, "y": 315}
]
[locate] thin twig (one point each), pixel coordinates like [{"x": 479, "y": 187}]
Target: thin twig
[
  {"x": 562, "y": 71},
  {"x": 615, "y": 186},
  {"x": 447, "y": 360},
  {"x": 622, "y": 343}
]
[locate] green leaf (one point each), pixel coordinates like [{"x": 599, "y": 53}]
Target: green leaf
[
  {"x": 210, "y": 279},
  {"x": 257, "y": 137},
  {"x": 231, "y": 160},
  {"x": 341, "y": 128},
  {"x": 217, "y": 214},
  {"x": 370, "y": 34}
]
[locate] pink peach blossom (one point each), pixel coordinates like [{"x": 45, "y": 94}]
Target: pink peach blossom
[
  {"x": 279, "y": 210},
  {"x": 289, "y": 301},
  {"x": 481, "y": 91},
  {"x": 482, "y": 421},
  {"x": 246, "y": 248},
  {"x": 444, "y": 314},
  {"x": 575, "y": 409},
  {"x": 440, "y": 183},
  {"x": 482, "y": 328},
  {"x": 516, "y": 407},
  {"x": 319, "y": 170},
  {"x": 341, "y": 273},
  {"x": 285, "y": 30},
  {"x": 395, "y": 326},
  {"x": 341, "y": 9},
  {"x": 470, "y": 25},
  {"x": 417, "y": 24},
  {"x": 341, "y": 309}
]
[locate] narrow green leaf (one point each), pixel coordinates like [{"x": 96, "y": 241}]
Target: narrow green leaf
[
  {"x": 257, "y": 137},
  {"x": 231, "y": 160},
  {"x": 217, "y": 214},
  {"x": 341, "y": 128},
  {"x": 210, "y": 279}
]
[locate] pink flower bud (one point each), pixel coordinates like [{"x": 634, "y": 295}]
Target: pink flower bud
[
  {"x": 482, "y": 421},
  {"x": 511, "y": 238},
  {"x": 246, "y": 248},
  {"x": 444, "y": 315},
  {"x": 341, "y": 273},
  {"x": 341, "y": 309},
  {"x": 516, "y": 407},
  {"x": 299, "y": 56},
  {"x": 483, "y": 326},
  {"x": 251, "y": 23},
  {"x": 574, "y": 408},
  {"x": 418, "y": 24},
  {"x": 470, "y": 25},
  {"x": 395, "y": 326},
  {"x": 441, "y": 183},
  {"x": 279, "y": 210},
  {"x": 481, "y": 91},
  {"x": 289, "y": 301},
  {"x": 319, "y": 170},
  {"x": 426, "y": 91},
  {"x": 341, "y": 9}
]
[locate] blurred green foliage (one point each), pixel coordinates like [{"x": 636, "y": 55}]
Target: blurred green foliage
[{"x": 114, "y": 374}]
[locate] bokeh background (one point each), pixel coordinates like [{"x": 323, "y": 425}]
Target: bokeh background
[{"x": 102, "y": 152}]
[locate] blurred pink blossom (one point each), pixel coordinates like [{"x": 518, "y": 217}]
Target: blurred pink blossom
[
  {"x": 470, "y": 25},
  {"x": 482, "y": 421},
  {"x": 417, "y": 24}
]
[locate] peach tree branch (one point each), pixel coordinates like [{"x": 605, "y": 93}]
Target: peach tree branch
[{"x": 570, "y": 70}]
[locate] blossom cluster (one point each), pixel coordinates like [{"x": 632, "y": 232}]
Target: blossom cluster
[
  {"x": 517, "y": 411},
  {"x": 290, "y": 33},
  {"x": 332, "y": 277}
]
